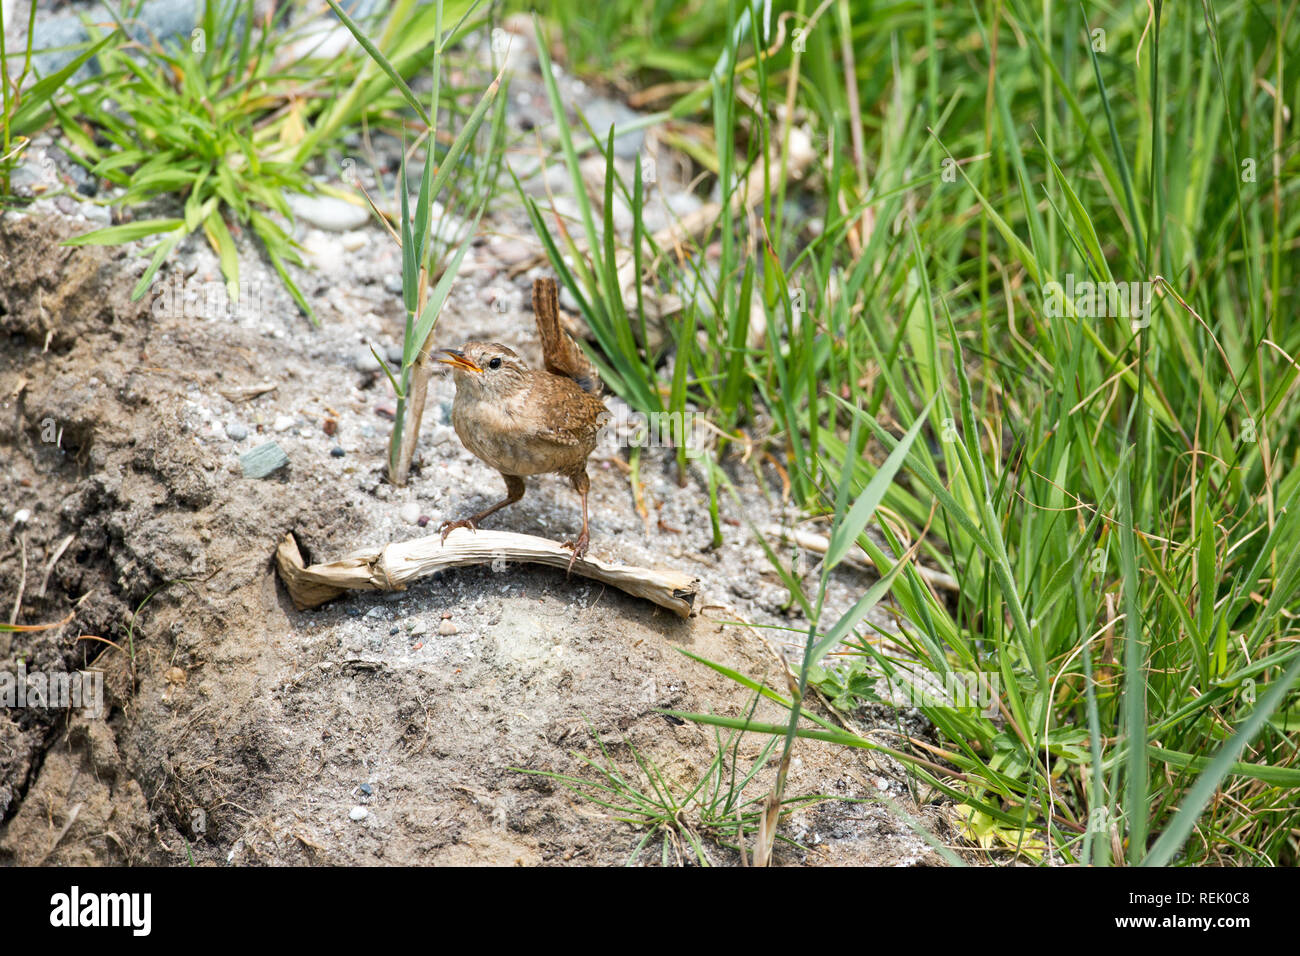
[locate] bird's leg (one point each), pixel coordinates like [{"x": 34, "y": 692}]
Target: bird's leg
[
  {"x": 581, "y": 484},
  {"x": 514, "y": 491}
]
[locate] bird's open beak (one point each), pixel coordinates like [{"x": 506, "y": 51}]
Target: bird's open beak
[{"x": 456, "y": 359}]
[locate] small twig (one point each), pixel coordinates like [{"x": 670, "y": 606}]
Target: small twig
[
  {"x": 22, "y": 579},
  {"x": 740, "y": 838},
  {"x": 244, "y": 393},
  {"x": 102, "y": 640},
  {"x": 33, "y": 628},
  {"x": 812, "y": 541},
  {"x": 638, "y": 490},
  {"x": 780, "y": 470},
  {"x": 58, "y": 553},
  {"x": 72, "y": 818},
  {"x": 307, "y": 843}
]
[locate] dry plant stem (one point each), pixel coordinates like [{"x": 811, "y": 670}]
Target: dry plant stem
[
  {"x": 72, "y": 818},
  {"x": 416, "y": 395},
  {"x": 49, "y": 567},
  {"x": 393, "y": 566},
  {"x": 767, "y": 823},
  {"x": 770, "y": 819},
  {"x": 697, "y": 224},
  {"x": 694, "y": 226},
  {"x": 812, "y": 541},
  {"x": 417, "y": 391},
  {"x": 765, "y": 841},
  {"x": 22, "y": 580}
]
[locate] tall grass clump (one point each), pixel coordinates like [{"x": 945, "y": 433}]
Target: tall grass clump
[
  {"x": 1046, "y": 294},
  {"x": 225, "y": 122}
]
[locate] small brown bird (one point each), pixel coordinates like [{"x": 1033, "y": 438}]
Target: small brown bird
[{"x": 524, "y": 421}]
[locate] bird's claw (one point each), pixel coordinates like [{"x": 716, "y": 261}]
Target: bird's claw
[
  {"x": 579, "y": 548},
  {"x": 447, "y": 527}
]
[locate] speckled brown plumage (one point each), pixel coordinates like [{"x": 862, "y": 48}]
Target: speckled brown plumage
[{"x": 524, "y": 421}]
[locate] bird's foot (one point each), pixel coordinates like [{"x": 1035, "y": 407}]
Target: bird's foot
[
  {"x": 447, "y": 527},
  {"x": 579, "y": 548}
]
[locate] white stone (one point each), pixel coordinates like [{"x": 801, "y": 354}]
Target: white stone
[
  {"x": 325, "y": 253},
  {"x": 328, "y": 213}
]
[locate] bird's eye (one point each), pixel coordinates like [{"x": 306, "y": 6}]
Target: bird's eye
[{"x": 495, "y": 363}]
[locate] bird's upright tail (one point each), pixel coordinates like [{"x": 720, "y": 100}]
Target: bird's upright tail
[{"x": 560, "y": 353}]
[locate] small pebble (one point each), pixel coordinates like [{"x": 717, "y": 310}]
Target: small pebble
[
  {"x": 337, "y": 452},
  {"x": 283, "y": 423},
  {"x": 366, "y": 789},
  {"x": 22, "y": 516},
  {"x": 567, "y": 300},
  {"x": 325, "y": 252},
  {"x": 263, "y": 460},
  {"x": 327, "y": 212},
  {"x": 96, "y": 214},
  {"x": 358, "y": 814},
  {"x": 423, "y": 521},
  {"x": 410, "y": 512},
  {"x": 236, "y": 431},
  {"x": 511, "y": 252},
  {"x": 447, "y": 628},
  {"x": 364, "y": 360}
]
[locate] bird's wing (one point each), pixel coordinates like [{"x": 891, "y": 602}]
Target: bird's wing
[{"x": 575, "y": 416}]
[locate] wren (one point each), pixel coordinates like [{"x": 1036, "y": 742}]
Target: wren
[{"x": 524, "y": 421}]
